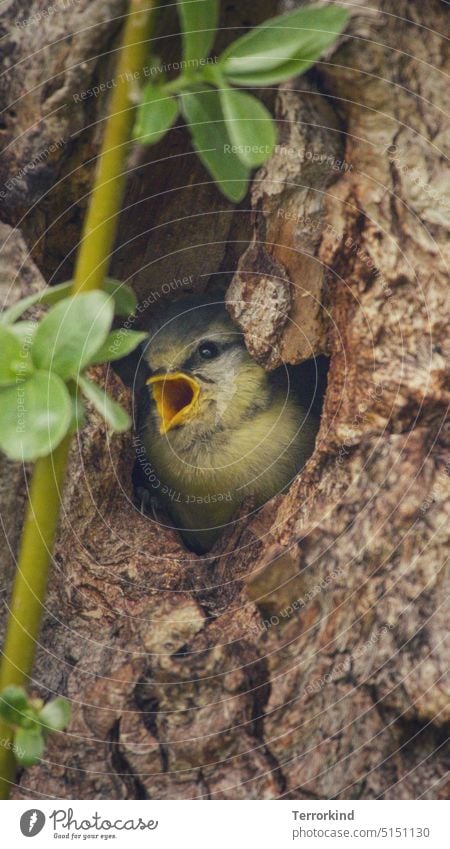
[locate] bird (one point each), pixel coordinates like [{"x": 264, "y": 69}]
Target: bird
[{"x": 216, "y": 428}]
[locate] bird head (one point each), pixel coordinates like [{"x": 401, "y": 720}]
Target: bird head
[{"x": 202, "y": 377}]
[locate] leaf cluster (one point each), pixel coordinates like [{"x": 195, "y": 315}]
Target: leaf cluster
[
  {"x": 231, "y": 130},
  {"x": 42, "y": 366},
  {"x": 31, "y": 721}
]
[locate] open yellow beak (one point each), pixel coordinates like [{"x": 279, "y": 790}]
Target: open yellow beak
[{"x": 175, "y": 395}]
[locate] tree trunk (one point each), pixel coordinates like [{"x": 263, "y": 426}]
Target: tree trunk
[{"x": 305, "y": 657}]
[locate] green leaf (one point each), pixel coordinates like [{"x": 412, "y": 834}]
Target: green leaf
[
  {"x": 282, "y": 47},
  {"x": 11, "y": 357},
  {"x": 203, "y": 112},
  {"x": 250, "y": 126},
  {"x": 70, "y": 334},
  {"x": 124, "y": 297},
  {"x": 35, "y": 415},
  {"x": 115, "y": 416},
  {"x": 125, "y": 300},
  {"x": 118, "y": 344},
  {"x": 155, "y": 114},
  {"x": 51, "y": 295},
  {"x": 13, "y": 703},
  {"x": 24, "y": 331},
  {"x": 29, "y": 719},
  {"x": 15, "y": 311},
  {"x": 28, "y": 746},
  {"x": 78, "y": 419},
  {"x": 199, "y": 19},
  {"x": 56, "y": 714}
]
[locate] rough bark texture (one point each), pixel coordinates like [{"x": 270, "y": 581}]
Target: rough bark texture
[{"x": 305, "y": 658}]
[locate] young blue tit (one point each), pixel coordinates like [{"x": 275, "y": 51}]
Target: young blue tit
[{"x": 216, "y": 427}]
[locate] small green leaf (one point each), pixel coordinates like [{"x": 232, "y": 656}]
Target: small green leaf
[
  {"x": 282, "y": 47},
  {"x": 51, "y": 295},
  {"x": 13, "y": 703},
  {"x": 56, "y": 714},
  {"x": 28, "y": 746},
  {"x": 35, "y": 415},
  {"x": 12, "y": 360},
  {"x": 118, "y": 344},
  {"x": 124, "y": 297},
  {"x": 199, "y": 19},
  {"x": 250, "y": 126},
  {"x": 155, "y": 115},
  {"x": 29, "y": 719},
  {"x": 78, "y": 419},
  {"x": 72, "y": 331},
  {"x": 24, "y": 331},
  {"x": 15, "y": 311},
  {"x": 115, "y": 416},
  {"x": 125, "y": 300},
  {"x": 203, "y": 112}
]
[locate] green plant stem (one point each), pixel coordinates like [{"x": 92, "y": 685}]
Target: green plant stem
[
  {"x": 30, "y": 584},
  {"x": 100, "y": 223},
  {"x": 182, "y": 82},
  {"x": 42, "y": 512}
]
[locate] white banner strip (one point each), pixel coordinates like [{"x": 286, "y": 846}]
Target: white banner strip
[{"x": 226, "y": 824}]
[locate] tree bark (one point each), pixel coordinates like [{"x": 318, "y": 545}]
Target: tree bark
[{"x": 305, "y": 657}]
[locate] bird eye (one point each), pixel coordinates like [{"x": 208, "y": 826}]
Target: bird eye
[{"x": 208, "y": 350}]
